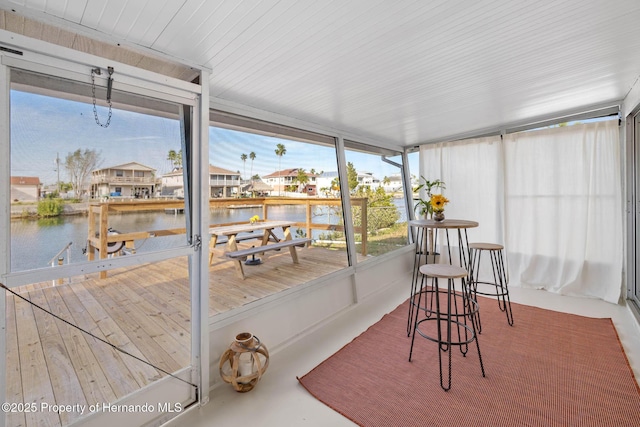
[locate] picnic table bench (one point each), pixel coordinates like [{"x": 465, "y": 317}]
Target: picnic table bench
[{"x": 268, "y": 236}]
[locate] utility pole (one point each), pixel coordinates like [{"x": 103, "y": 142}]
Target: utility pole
[{"x": 58, "y": 170}]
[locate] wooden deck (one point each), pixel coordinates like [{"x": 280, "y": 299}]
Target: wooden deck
[{"x": 143, "y": 310}]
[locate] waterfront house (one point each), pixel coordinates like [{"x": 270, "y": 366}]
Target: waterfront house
[
  {"x": 257, "y": 187},
  {"x": 393, "y": 183},
  {"x": 286, "y": 181},
  {"x": 129, "y": 180},
  {"x": 172, "y": 184},
  {"x": 365, "y": 179},
  {"x": 25, "y": 188},
  {"x": 222, "y": 182},
  {"x": 470, "y": 92},
  {"x": 325, "y": 182}
]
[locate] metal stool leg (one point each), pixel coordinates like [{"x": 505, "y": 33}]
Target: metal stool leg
[
  {"x": 447, "y": 314},
  {"x": 474, "y": 262},
  {"x": 503, "y": 283},
  {"x": 500, "y": 278}
]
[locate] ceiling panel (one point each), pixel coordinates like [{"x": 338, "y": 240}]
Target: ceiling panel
[{"x": 397, "y": 72}]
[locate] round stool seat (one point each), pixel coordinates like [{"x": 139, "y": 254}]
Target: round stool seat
[
  {"x": 443, "y": 271},
  {"x": 486, "y": 246},
  {"x": 449, "y": 315}
]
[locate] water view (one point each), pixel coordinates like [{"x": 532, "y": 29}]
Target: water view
[{"x": 35, "y": 242}]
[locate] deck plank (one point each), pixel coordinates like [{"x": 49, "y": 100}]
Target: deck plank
[
  {"x": 93, "y": 381},
  {"x": 64, "y": 380},
  {"x": 144, "y": 310},
  {"x": 139, "y": 336},
  {"x": 142, "y": 372},
  {"x": 161, "y": 327},
  {"x": 116, "y": 371},
  {"x": 14, "y": 382},
  {"x": 170, "y": 297},
  {"x": 36, "y": 383}
]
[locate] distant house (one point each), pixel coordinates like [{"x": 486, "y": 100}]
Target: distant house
[
  {"x": 222, "y": 183},
  {"x": 286, "y": 179},
  {"x": 25, "y": 188},
  {"x": 324, "y": 183},
  {"x": 365, "y": 179},
  {"x": 133, "y": 180},
  {"x": 257, "y": 187},
  {"x": 172, "y": 184},
  {"x": 393, "y": 183}
]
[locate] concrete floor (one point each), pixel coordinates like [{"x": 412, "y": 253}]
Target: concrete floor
[{"x": 279, "y": 400}]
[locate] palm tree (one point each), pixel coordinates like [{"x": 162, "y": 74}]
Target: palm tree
[
  {"x": 172, "y": 157},
  {"x": 302, "y": 177},
  {"x": 176, "y": 158},
  {"x": 280, "y": 151},
  {"x": 243, "y": 157},
  {"x": 252, "y": 156}
]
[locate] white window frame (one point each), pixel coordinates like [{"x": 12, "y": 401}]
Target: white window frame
[{"x": 49, "y": 59}]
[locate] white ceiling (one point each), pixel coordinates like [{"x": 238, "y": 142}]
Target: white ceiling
[{"x": 397, "y": 71}]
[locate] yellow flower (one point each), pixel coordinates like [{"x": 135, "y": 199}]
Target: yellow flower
[
  {"x": 254, "y": 219},
  {"x": 438, "y": 201}
]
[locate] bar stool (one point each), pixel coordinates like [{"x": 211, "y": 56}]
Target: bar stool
[
  {"x": 452, "y": 327},
  {"x": 500, "y": 278}
]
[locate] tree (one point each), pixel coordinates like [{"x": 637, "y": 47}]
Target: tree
[
  {"x": 352, "y": 177},
  {"x": 280, "y": 151},
  {"x": 175, "y": 157},
  {"x": 79, "y": 164},
  {"x": 381, "y": 211},
  {"x": 243, "y": 157},
  {"x": 302, "y": 177},
  {"x": 252, "y": 156}
]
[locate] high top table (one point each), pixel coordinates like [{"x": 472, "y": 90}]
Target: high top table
[{"x": 421, "y": 256}]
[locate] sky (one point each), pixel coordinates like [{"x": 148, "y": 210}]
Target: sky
[{"x": 43, "y": 127}]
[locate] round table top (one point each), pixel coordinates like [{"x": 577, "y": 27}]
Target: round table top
[{"x": 446, "y": 223}]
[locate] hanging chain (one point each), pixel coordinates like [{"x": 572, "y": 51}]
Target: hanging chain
[{"x": 97, "y": 71}]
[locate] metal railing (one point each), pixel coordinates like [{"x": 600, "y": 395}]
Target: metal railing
[{"x": 58, "y": 260}]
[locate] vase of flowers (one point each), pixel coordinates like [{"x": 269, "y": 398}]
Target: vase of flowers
[
  {"x": 425, "y": 208},
  {"x": 437, "y": 203}
]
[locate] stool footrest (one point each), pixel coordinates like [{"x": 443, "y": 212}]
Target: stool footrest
[{"x": 468, "y": 332}]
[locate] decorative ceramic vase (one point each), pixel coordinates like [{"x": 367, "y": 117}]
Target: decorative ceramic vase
[
  {"x": 438, "y": 216},
  {"x": 244, "y": 362}
]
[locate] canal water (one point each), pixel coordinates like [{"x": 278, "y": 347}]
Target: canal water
[{"x": 35, "y": 242}]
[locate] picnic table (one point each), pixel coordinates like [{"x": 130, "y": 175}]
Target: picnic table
[{"x": 269, "y": 240}]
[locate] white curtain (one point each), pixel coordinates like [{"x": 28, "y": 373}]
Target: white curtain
[{"x": 553, "y": 197}]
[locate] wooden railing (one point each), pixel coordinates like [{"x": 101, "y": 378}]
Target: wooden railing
[
  {"x": 122, "y": 179},
  {"x": 98, "y": 238}
]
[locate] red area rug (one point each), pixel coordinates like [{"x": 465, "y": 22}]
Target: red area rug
[{"x": 549, "y": 369}]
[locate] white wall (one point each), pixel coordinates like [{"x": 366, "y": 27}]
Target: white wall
[
  {"x": 280, "y": 321},
  {"x": 24, "y": 193}
]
